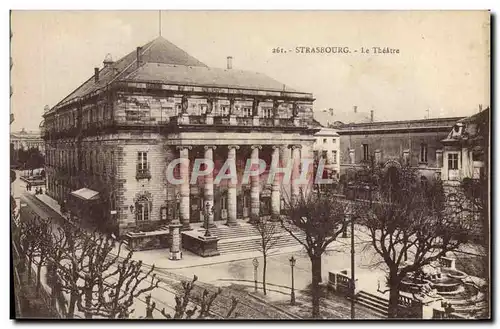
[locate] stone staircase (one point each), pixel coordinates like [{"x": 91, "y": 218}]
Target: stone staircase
[
  {"x": 246, "y": 238},
  {"x": 375, "y": 303}
]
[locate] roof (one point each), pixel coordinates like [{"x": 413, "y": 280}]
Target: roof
[
  {"x": 23, "y": 134},
  {"x": 86, "y": 194},
  {"x": 204, "y": 76},
  {"x": 159, "y": 50},
  {"x": 327, "y": 132},
  {"x": 326, "y": 118},
  {"x": 162, "y": 61}
]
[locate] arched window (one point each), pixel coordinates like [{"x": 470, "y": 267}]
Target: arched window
[{"x": 142, "y": 209}]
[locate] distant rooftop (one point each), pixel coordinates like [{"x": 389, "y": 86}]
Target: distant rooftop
[{"x": 334, "y": 117}]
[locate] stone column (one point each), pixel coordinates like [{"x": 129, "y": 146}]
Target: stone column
[
  {"x": 209, "y": 186},
  {"x": 231, "y": 190},
  {"x": 185, "y": 208},
  {"x": 275, "y": 187},
  {"x": 295, "y": 172},
  {"x": 255, "y": 186}
]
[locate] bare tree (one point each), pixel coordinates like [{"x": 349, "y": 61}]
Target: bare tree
[
  {"x": 102, "y": 285},
  {"x": 43, "y": 249},
  {"x": 322, "y": 218},
  {"x": 411, "y": 218},
  {"x": 66, "y": 242},
  {"x": 269, "y": 237},
  {"x": 183, "y": 309},
  {"x": 29, "y": 230},
  {"x": 116, "y": 296}
]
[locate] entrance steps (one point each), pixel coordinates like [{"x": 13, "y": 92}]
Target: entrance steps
[
  {"x": 246, "y": 238},
  {"x": 373, "y": 302}
]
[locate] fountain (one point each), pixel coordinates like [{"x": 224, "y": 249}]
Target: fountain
[{"x": 442, "y": 281}]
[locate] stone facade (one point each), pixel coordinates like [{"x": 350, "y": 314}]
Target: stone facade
[
  {"x": 120, "y": 140},
  {"x": 327, "y": 146},
  {"x": 417, "y": 142}
]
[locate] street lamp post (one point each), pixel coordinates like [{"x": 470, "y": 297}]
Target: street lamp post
[
  {"x": 208, "y": 211},
  {"x": 255, "y": 263},
  {"x": 353, "y": 282},
  {"x": 292, "y": 294}
]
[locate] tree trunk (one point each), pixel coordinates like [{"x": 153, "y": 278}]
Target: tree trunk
[
  {"x": 71, "y": 306},
  {"x": 316, "y": 280},
  {"x": 88, "y": 301},
  {"x": 38, "y": 278},
  {"x": 30, "y": 261},
  {"x": 394, "y": 283},
  {"x": 264, "y": 274}
]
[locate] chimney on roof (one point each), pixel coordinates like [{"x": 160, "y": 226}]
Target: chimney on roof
[
  {"x": 229, "y": 62},
  {"x": 480, "y": 107},
  {"x": 139, "y": 56},
  {"x": 355, "y": 109},
  {"x": 371, "y": 116},
  {"x": 96, "y": 74},
  {"x": 108, "y": 60}
]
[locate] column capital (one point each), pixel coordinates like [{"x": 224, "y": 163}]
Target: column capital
[
  {"x": 279, "y": 147},
  {"x": 256, "y": 146},
  {"x": 182, "y": 147},
  {"x": 295, "y": 146},
  {"x": 213, "y": 147},
  {"x": 232, "y": 146}
]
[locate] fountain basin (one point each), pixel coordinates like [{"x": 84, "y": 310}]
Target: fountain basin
[{"x": 454, "y": 273}]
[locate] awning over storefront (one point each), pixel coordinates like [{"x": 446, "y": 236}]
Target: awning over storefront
[{"x": 86, "y": 194}]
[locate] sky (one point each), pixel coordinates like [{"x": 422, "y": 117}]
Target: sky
[{"x": 442, "y": 65}]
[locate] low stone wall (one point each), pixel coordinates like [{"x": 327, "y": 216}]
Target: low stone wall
[
  {"x": 205, "y": 247},
  {"x": 148, "y": 240}
]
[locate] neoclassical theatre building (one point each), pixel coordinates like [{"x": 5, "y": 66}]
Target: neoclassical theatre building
[{"x": 109, "y": 142}]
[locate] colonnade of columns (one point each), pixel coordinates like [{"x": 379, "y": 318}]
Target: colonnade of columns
[{"x": 208, "y": 188}]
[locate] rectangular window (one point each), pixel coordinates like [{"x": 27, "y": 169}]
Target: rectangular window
[
  {"x": 453, "y": 161},
  {"x": 334, "y": 140},
  {"x": 112, "y": 161},
  {"x": 267, "y": 112},
  {"x": 365, "y": 152},
  {"x": 91, "y": 165},
  {"x": 324, "y": 154},
  {"x": 423, "y": 152},
  {"x": 334, "y": 156},
  {"x": 142, "y": 161},
  {"x": 247, "y": 112},
  {"x": 324, "y": 141}
]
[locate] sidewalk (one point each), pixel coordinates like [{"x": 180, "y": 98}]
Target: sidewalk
[{"x": 49, "y": 202}]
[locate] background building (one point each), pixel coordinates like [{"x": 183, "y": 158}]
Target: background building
[
  {"x": 110, "y": 141},
  {"x": 327, "y": 146},
  {"x": 336, "y": 118},
  {"x": 466, "y": 148},
  {"x": 392, "y": 143},
  {"x": 26, "y": 140}
]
